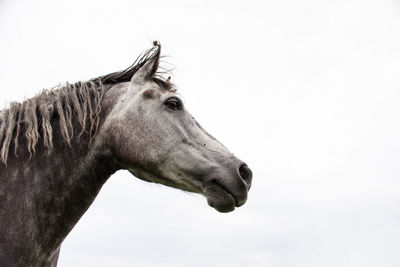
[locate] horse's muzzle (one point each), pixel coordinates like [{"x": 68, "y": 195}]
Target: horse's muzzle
[{"x": 226, "y": 192}]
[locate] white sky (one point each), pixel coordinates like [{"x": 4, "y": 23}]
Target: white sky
[{"x": 306, "y": 92}]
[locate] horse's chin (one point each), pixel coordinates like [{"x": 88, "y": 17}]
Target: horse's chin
[{"x": 219, "y": 198}]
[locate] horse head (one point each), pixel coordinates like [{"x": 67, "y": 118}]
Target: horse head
[{"x": 152, "y": 134}]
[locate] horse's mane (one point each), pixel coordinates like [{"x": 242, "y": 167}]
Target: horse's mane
[{"x": 78, "y": 101}]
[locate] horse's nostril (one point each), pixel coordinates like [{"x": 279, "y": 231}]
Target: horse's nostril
[{"x": 245, "y": 173}]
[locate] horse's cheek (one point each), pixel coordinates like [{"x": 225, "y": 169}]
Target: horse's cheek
[{"x": 127, "y": 143}]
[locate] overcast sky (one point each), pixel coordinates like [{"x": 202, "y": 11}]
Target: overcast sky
[{"x": 306, "y": 92}]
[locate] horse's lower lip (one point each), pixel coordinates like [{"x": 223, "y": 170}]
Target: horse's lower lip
[{"x": 220, "y": 198}]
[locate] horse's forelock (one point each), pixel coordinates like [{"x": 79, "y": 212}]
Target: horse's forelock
[{"x": 153, "y": 54}]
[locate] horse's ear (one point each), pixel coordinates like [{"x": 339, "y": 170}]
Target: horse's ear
[{"x": 151, "y": 61}]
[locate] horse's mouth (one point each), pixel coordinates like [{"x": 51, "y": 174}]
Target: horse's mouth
[{"x": 220, "y": 198}]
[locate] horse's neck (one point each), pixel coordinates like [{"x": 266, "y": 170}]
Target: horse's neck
[{"x": 42, "y": 198}]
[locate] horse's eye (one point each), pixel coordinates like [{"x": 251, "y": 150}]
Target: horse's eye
[{"x": 173, "y": 103}]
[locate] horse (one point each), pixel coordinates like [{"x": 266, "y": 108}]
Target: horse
[{"x": 58, "y": 148}]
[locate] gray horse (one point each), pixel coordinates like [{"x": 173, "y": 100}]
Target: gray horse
[{"x": 58, "y": 149}]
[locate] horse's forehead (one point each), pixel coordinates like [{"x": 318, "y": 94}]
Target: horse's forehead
[
  {"x": 149, "y": 90},
  {"x": 151, "y": 93}
]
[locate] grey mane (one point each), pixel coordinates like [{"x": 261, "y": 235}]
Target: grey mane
[
  {"x": 34, "y": 117},
  {"x": 78, "y": 102}
]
